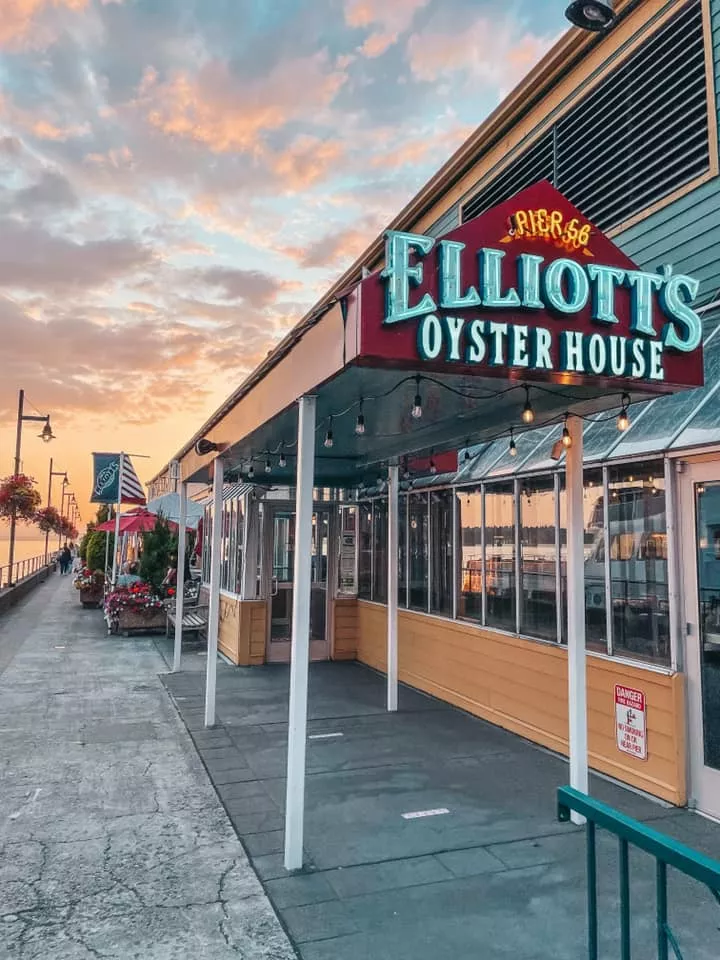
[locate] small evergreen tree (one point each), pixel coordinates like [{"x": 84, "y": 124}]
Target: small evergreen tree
[
  {"x": 95, "y": 550},
  {"x": 159, "y": 552}
]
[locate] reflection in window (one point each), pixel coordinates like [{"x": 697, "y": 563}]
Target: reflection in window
[
  {"x": 469, "y": 506},
  {"x": 538, "y": 598},
  {"x": 594, "y": 551},
  {"x": 402, "y": 552},
  {"x": 380, "y": 540},
  {"x": 638, "y": 561},
  {"x": 418, "y": 550},
  {"x": 441, "y": 539},
  {"x": 365, "y": 551},
  {"x": 500, "y": 555}
]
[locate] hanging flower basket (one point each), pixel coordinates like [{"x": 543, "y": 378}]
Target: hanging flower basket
[
  {"x": 18, "y": 497},
  {"x": 136, "y": 608},
  {"x": 48, "y": 519}
]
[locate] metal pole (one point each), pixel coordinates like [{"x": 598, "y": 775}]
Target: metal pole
[
  {"x": 392, "y": 590},
  {"x": 180, "y": 579},
  {"x": 577, "y": 680},
  {"x": 49, "y": 499},
  {"x": 297, "y": 721},
  {"x": 117, "y": 521},
  {"x": 214, "y": 612},
  {"x": 107, "y": 541},
  {"x": 16, "y": 471}
]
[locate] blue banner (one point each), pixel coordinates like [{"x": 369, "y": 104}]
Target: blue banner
[{"x": 106, "y": 478}]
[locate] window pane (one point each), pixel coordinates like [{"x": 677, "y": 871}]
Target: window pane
[
  {"x": 402, "y": 552},
  {"x": 638, "y": 562},
  {"x": 500, "y": 555},
  {"x": 594, "y": 551},
  {"x": 380, "y": 539},
  {"x": 418, "y": 552},
  {"x": 364, "y": 551},
  {"x": 469, "y": 506},
  {"x": 441, "y": 539},
  {"x": 538, "y": 602}
]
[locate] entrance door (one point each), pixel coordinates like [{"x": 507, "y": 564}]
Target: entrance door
[
  {"x": 282, "y": 552},
  {"x": 701, "y": 561}
]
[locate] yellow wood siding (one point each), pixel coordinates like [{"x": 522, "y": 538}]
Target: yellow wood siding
[
  {"x": 522, "y": 686},
  {"x": 241, "y": 634},
  {"x": 345, "y": 633}
]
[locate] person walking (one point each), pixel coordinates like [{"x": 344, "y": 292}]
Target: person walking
[{"x": 65, "y": 560}]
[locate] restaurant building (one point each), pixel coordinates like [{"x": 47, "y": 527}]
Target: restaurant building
[{"x": 606, "y": 159}]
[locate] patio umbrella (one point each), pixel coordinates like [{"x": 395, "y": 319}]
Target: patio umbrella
[
  {"x": 136, "y": 521},
  {"x": 169, "y": 506}
]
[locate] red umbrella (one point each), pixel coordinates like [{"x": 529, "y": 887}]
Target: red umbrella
[{"x": 137, "y": 521}]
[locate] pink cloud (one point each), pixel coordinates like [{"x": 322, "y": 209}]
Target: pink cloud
[
  {"x": 20, "y": 20},
  {"x": 387, "y": 18}
]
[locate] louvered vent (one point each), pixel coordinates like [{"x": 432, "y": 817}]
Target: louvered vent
[{"x": 636, "y": 138}]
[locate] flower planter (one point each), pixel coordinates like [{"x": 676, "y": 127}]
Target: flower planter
[
  {"x": 91, "y": 597},
  {"x": 139, "y": 621}
]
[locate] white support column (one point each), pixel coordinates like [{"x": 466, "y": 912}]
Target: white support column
[
  {"x": 300, "y": 655},
  {"x": 577, "y": 681},
  {"x": 116, "y": 543},
  {"x": 180, "y": 579},
  {"x": 392, "y": 589},
  {"x": 673, "y": 554},
  {"x": 214, "y": 612}
]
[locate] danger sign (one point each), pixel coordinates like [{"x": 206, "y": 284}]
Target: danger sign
[{"x": 630, "y": 721}]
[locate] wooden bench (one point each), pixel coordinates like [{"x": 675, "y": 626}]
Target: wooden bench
[{"x": 195, "y": 619}]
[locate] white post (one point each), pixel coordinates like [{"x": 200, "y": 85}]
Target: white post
[
  {"x": 392, "y": 589},
  {"x": 297, "y": 720},
  {"x": 577, "y": 680},
  {"x": 180, "y": 578},
  {"x": 117, "y": 521},
  {"x": 214, "y": 612}
]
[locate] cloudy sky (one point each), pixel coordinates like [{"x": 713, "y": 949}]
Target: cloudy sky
[{"x": 181, "y": 179}]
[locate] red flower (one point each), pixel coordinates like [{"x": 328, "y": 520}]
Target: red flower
[{"x": 171, "y": 592}]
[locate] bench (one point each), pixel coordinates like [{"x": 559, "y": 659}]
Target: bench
[{"x": 195, "y": 619}]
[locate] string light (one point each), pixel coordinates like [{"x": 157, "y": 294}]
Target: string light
[
  {"x": 282, "y": 462},
  {"x": 433, "y": 468},
  {"x": 528, "y": 414},
  {"x": 566, "y": 438},
  {"x": 360, "y": 422},
  {"x": 329, "y": 435},
  {"x": 268, "y": 466},
  {"x": 251, "y": 472},
  {"x": 417, "y": 410},
  {"x": 623, "y": 420},
  {"x": 512, "y": 448}
]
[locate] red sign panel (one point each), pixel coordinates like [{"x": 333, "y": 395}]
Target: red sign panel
[
  {"x": 531, "y": 290},
  {"x": 631, "y": 721}
]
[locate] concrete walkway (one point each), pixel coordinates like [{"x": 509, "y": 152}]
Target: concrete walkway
[
  {"x": 113, "y": 843},
  {"x": 495, "y": 877}
]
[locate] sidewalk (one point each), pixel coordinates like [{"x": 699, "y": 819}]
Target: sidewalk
[
  {"x": 113, "y": 843},
  {"x": 495, "y": 877}
]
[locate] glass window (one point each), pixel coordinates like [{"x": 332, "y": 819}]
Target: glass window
[
  {"x": 538, "y": 597},
  {"x": 707, "y": 499},
  {"x": 594, "y": 551},
  {"x": 402, "y": 551},
  {"x": 469, "y": 507},
  {"x": 365, "y": 551},
  {"x": 638, "y": 561},
  {"x": 206, "y": 544},
  {"x": 380, "y": 541},
  {"x": 441, "y": 542},
  {"x": 418, "y": 551},
  {"x": 500, "y": 555}
]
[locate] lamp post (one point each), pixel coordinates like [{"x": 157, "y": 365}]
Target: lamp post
[
  {"x": 52, "y": 473},
  {"x": 46, "y": 436},
  {"x": 65, "y": 482}
]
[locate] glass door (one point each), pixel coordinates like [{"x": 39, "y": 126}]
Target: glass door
[{"x": 701, "y": 561}]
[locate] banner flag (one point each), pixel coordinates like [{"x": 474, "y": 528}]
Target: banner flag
[{"x": 106, "y": 477}]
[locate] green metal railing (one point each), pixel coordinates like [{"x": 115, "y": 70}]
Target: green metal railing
[{"x": 667, "y": 853}]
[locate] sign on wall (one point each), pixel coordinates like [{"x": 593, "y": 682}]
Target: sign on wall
[
  {"x": 531, "y": 288},
  {"x": 631, "y": 721}
]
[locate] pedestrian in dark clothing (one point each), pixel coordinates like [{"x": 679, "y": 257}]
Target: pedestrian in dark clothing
[{"x": 65, "y": 560}]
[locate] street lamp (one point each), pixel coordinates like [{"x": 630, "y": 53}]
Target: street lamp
[
  {"x": 65, "y": 483},
  {"x": 53, "y": 473},
  {"x": 596, "y": 15},
  {"x": 46, "y": 435}
]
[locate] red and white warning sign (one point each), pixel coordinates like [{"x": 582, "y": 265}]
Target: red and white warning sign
[{"x": 630, "y": 721}]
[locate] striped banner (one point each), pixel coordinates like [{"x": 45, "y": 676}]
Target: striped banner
[{"x": 106, "y": 474}]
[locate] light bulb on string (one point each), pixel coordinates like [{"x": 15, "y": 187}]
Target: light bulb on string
[
  {"x": 528, "y": 414},
  {"x": 360, "y": 422},
  {"x": 566, "y": 438},
  {"x": 268, "y": 466},
  {"x": 282, "y": 462},
  {"x": 623, "y": 420},
  {"x": 328, "y": 442},
  {"x": 417, "y": 410},
  {"x": 433, "y": 468},
  {"x": 512, "y": 448},
  {"x": 251, "y": 472},
  {"x": 467, "y": 458}
]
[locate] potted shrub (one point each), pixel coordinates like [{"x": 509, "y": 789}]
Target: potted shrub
[
  {"x": 128, "y": 609},
  {"x": 91, "y": 585}
]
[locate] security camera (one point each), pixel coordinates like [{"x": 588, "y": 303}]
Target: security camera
[{"x": 203, "y": 447}]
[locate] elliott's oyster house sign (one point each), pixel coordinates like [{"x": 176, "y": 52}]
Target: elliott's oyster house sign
[{"x": 531, "y": 290}]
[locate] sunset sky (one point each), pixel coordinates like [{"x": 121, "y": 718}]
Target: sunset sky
[{"x": 181, "y": 179}]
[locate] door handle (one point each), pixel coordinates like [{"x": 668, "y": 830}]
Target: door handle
[{"x": 274, "y": 587}]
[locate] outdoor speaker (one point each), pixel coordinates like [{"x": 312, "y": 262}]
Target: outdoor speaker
[
  {"x": 203, "y": 447},
  {"x": 591, "y": 14}
]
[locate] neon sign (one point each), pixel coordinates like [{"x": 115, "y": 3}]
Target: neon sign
[{"x": 451, "y": 326}]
